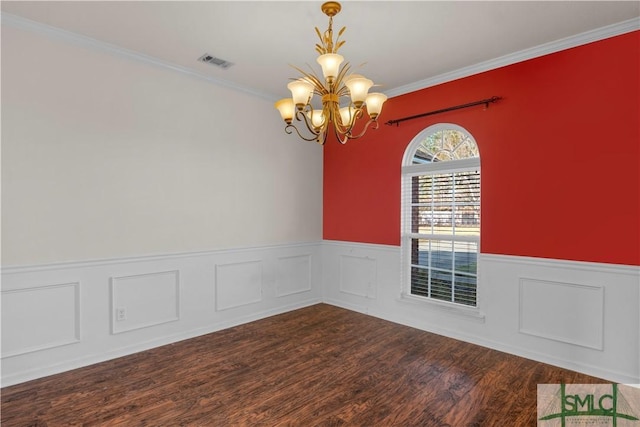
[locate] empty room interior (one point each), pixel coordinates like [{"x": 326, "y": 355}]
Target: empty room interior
[{"x": 414, "y": 214}]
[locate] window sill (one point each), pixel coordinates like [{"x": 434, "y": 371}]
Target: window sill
[{"x": 473, "y": 313}]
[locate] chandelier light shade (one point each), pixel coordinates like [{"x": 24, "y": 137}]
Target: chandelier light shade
[{"x": 344, "y": 96}]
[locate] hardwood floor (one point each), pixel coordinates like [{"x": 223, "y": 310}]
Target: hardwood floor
[{"x": 318, "y": 366}]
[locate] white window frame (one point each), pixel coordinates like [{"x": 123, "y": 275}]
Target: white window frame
[{"x": 409, "y": 170}]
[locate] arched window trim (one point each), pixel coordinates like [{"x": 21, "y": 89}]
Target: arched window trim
[{"x": 410, "y": 170}]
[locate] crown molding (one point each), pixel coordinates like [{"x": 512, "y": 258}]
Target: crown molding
[
  {"x": 512, "y": 58},
  {"x": 91, "y": 43},
  {"x": 523, "y": 55}
]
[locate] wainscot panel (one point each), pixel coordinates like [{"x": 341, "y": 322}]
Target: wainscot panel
[
  {"x": 144, "y": 300},
  {"x": 358, "y": 275},
  {"x": 294, "y": 275},
  {"x": 565, "y": 312},
  {"x": 55, "y": 323},
  {"x": 238, "y": 284}
]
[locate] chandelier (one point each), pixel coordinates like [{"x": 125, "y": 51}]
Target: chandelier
[{"x": 337, "y": 83}]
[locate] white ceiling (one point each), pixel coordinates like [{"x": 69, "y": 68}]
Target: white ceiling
[{"x": 402, "y": 42}]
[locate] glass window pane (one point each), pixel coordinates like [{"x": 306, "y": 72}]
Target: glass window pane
[
  {"x": 442, "y": 189},
  {"x": 467, "y": 221},
  {"x": 441, "y": 285},
  {"x": 465, "y": 257},
  {"x": 441, "y": 254},
  {"x": 421, "y": 190},
  {"x": 420, "y": 252},
  {"x": 467, "y": 187},
  {"x": 421, "y": 219},
  {"x": 465, "y": 289},
  {"x": 420, "y": 281},
  {"x": 445, "y": 145}
]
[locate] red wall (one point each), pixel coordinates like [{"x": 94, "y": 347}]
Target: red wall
[{"x": 559, "y": 153}]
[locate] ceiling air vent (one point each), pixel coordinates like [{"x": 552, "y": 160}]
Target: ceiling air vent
[{"x": 210, "y": 59}]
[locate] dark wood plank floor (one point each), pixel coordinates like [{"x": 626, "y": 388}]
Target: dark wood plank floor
[{"x": 318, "y": 366}]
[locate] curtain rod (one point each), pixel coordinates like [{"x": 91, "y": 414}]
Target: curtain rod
[{"x": 486, "y": 102}]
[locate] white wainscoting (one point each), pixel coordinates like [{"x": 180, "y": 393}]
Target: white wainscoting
[
  {"x": 63, "y": 316},
  {"x": 577, "y": 315}
]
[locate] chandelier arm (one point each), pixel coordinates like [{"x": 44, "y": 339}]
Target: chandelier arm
[
  {"x": 338, "y": 136},
  {"x": 288, "y": 130},
  {"x": 361, "y": 134},
  {"x": 357, "y": 115},
  {"x": 343, "y": 132},
  {"x": 307, "y": 121},
  {"x": 340, "y": 127},
  {"x": 322, "y": 138}
]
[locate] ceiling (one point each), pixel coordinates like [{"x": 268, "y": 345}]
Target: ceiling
[{"x": 399, "y": 42}]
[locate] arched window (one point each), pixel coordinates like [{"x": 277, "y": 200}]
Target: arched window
[{"x": 441, "y": 216}]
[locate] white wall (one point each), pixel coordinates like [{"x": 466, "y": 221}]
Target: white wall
[
  {"x": 128, "y": 187},
  {"x": 105, "y": 157}
]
